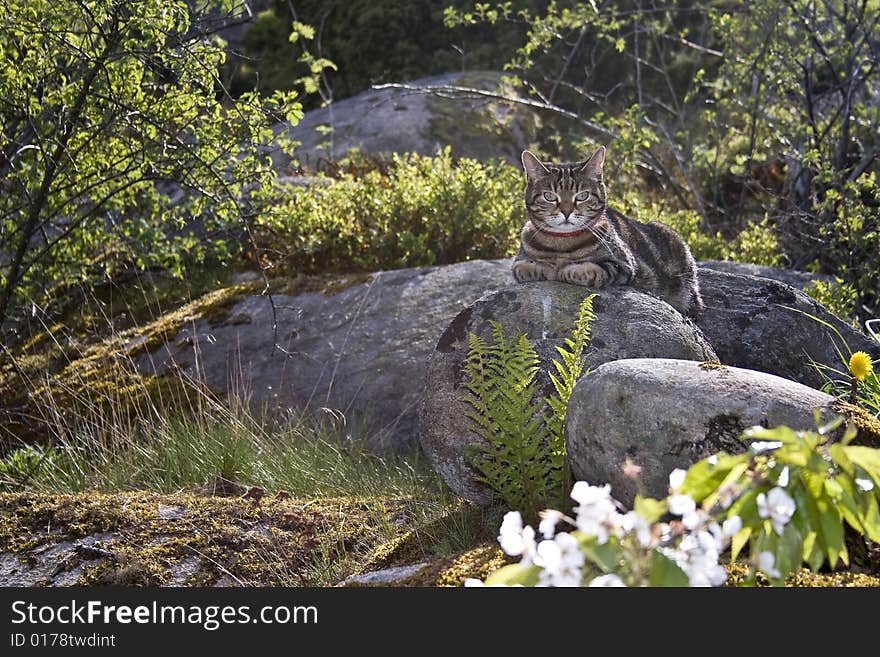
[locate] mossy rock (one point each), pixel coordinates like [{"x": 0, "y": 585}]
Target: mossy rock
[{"x": 147, "y": 539}]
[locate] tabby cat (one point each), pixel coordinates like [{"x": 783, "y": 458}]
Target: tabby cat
[{"x": 571, "y": 235}]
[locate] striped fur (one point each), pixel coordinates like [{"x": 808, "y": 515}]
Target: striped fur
[{"x": 572, "y": 236}]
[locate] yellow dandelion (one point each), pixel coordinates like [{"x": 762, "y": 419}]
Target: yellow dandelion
[{"x": 860, "y": 365}]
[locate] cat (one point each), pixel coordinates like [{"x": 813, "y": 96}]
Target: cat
[{"x": 572, "y": 236}]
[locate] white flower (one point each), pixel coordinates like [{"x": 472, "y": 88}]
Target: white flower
[
  {"x": 633, "y": 522},
  {"x": 731, "y": 526},
  {"x": 583, "y": 493},
  {"x": 759, "y": 446},
  {"x": 865, "y": 485},
  {"x": 766, "y": 563},
  {"x": 472, "y": 582},
  {"x": 596, "y": 514},
  {"x": 549, "y": 519},
  {"x": 783, "y": 478},
  {"x": 713, "y": 460},
  {"x": 681, "y": 505},
  {"x": 778, "y": 506},
  {"x": 676, "y": 478},
  {"x": 697, "y": 556},
  {"x": 694, "y": 519},
  {"x": 607, "y": 581},
  {"x": 515, "y": 539},
  {"x": 561, "y": 561}
]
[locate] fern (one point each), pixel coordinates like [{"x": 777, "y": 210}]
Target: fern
[
  {"x": 568, "y": 373},
  {"x": 522, "y": 456}
]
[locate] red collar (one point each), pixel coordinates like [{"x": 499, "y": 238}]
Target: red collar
[{"x": 571, "y": 234}]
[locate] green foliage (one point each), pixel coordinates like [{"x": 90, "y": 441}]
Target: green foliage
[
  {"x": 422, "y": 211},
  {"x": 741, "y": 112},
  {"x": 514, "y": 458},
  {"x": 569, "y": 371},
  {"x": 833, "y": 484},
  {"x": 24, "y": 465},
  {"x": 372, "y": 41},
  {"x": 836, "y": 295},
  {"x": 787, "y": 501},
  {"x": 118, "y": 152},
  {"x": 522, "y": 453},
  {"x": 756, "y": 243}
]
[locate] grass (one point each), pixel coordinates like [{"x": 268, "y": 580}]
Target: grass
[{"x": 358, "y": 501}]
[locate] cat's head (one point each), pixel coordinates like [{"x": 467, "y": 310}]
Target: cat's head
[{"x": 564, "y": 198}]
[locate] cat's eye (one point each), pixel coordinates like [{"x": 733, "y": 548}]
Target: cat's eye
[
  {"x": 582, "y": 196},
  {"x": 550, "y": 196}
]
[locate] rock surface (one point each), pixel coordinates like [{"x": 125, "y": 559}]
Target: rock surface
[
  {"x": 392, "y": 120},
  {"x": 762, "y": 324},
  {"x": 795, "y": 278},
  {"x": 358, "y": 350},
  {"x": 667, "y": 414},
  {"x": 628, "y": 324}
]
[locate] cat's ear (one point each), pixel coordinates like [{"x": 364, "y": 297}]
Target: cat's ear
[
  {"x": 592, "y": 168},
  {"x": 533, "y": 166}
]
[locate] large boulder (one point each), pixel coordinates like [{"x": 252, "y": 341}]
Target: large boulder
[
  {"x": 357, "y": 347},
  {"x": 794, "y": 277},
  {"x": 421, "y": 116},
  {"x": 628, "y": 324},
  {"x": 765, "y": 325},
  {"x": 666, "y": 414}
]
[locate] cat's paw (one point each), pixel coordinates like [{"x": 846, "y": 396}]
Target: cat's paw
[
  {"x": 586, "y": 274},
  {"x": 526, "y": 271}
]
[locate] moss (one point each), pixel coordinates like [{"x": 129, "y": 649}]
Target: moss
[
  {"x": 867, "y": 426},
  {"x": 69, "y": 378},
  {"x": 738, "y": 572},
  {"x": 478, "y": 563},
  {"x": 271, "y": 544}
]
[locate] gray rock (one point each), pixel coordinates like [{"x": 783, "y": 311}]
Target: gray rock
[
  {"x": 395, "y": 120},
  {"x": 667, "y": 414},
  {"x": 795, "y": 278},
  {"x": 396, "y": 576},
  {"x": 360, "y": 352},
  {"x": 628, "y": 324},
  {"x": 762, "y": 324}
]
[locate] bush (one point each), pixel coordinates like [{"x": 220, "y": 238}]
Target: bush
[
  {"x": 785, "y": 502},
  {"x": 422, "y": 211}
]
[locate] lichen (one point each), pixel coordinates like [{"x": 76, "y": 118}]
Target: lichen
[{"x": 274, "y": 543}]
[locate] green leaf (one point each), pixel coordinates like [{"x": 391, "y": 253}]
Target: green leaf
[
  {"x": 665, "y": 572},
  {"x": 514, "y": 574},
  {"x": 739, "y": 541},
  {"x": 868, "y": 458},
  {"x": 649, "y": 508}
]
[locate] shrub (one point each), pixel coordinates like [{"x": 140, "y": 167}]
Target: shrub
[
  {"x": 786, "y": 502},
  {"x": 422, "y": 211},
  {"x": 425, "y": 210}
]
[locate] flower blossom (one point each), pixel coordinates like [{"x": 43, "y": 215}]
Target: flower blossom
[
  {"x": 778, "y": 506},
  {"x": 697, "y": 556},
  {"x": 767, "y": 563},
  {"x": 515, "y": 539},
  {"x": 561, "y": 561},
  {"x": 549, "y": 519},
  {"x": 860, "y": 365},
  {"x": 596, "y": 513},
  {"x": 607, "y": 581}
]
